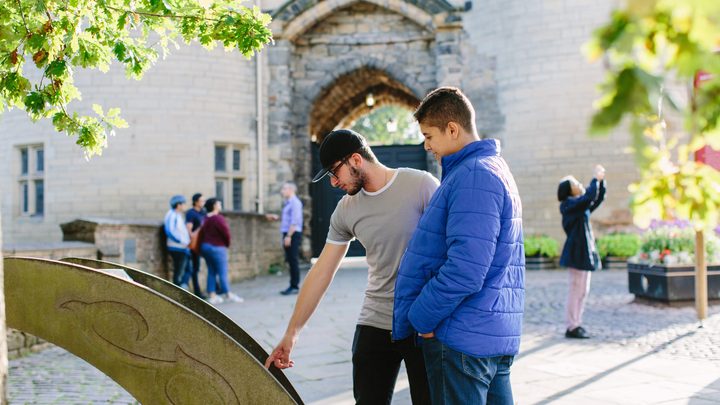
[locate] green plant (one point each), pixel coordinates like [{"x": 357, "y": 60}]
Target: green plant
[
  {"x": 275, "y": 268},
  {"x": 619, "y": 244},
  {"x": 673, "y": 242},
  {"x": 647, "y": 47},
  {"x": 541, "y": 245}
]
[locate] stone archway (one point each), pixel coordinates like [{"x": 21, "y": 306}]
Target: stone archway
[
  {"x": 345, "y": 100},
  {"x": 329, "y": 54}
]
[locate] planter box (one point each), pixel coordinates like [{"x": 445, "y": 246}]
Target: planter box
[
  {"x": 540, "y": 263},
  {"x": 669, "y": 283},
  {"x": 615, "y": 263}
]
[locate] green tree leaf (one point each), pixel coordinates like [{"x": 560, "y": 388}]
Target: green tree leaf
[{"x": 59, "y": 35}]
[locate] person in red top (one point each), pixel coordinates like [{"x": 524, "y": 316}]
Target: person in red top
[{"x": 214, "y": 243}]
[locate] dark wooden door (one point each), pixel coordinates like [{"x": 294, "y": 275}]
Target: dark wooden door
[{"x": 325, "y": 197}]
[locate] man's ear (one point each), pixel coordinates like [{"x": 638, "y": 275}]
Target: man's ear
[
  {"x": 453, "y": 129},
  {"x": 356, "y": 159}
]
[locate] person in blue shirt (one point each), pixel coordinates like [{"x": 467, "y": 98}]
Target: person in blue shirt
[
  {"x": 460, "y": 284},
  {"x": 178, "y": 237},
  {"x": 291, "y": 225},
  {"x": 579, "y": 253}
]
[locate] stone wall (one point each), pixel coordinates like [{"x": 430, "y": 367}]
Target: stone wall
[
  {"x": 255, "y": 244},
  {"x": 546, "y": 89},
  {"x": 20, "y": 344}
]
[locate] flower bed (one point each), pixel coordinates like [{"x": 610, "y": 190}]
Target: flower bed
[
  {"x": 664, "y": 269},
  {"x": 673, "y": 243}
]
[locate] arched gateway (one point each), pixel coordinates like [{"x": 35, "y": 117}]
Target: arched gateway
[{"x": 330, "y": 55}]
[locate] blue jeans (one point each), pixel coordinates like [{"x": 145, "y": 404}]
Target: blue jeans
[
  {"x": 457, "y": 378},
  {"x": 216, "y": 258},
  {"x": 193, "y": 269}
]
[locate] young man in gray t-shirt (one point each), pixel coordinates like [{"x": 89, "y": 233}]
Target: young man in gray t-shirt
[{"x": 381, "y": 209}]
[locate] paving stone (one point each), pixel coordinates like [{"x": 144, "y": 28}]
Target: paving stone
[{"x": 638, "y": 353}]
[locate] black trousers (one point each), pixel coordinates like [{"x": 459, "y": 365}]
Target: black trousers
[
  {"x": 180, "y": 262},
  {"x": 376, "y": 363},
  {"x": 291, "y": 257},
  {"x": 195, "y": 261}
]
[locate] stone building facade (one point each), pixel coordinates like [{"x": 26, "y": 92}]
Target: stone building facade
[{"x": 198, "y": 112}]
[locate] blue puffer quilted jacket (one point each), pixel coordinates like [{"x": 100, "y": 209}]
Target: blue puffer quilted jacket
[{"x": 463, "y": 273}]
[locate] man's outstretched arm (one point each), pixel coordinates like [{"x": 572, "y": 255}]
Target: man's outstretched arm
[{"x": 316, "y": 283}]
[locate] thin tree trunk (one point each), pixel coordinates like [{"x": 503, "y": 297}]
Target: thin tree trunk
[{"x": 701, "y": 292}]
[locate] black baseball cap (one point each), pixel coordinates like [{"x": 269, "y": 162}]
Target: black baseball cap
[{"x": 336, "y": 146}]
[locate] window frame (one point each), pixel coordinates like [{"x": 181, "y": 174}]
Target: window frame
[
  {"x": 31, "y": 171},
  {"x": 230, "y": 175}
]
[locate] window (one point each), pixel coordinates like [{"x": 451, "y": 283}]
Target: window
[
  {"x": 236, "y": 160},
  {"x": 230, "y": 176},
  {"x": 220, "y": 152},
  {"x": 24, "y": 161},
  {"x": 25, "y": 197},
  {"x": 31, "y": 181},
  {"x": 39, "y": 197},
  {"x": 39, "y": 160},
  {"x": 220, "y": 191},
  {"x": 237, "y": 192}
]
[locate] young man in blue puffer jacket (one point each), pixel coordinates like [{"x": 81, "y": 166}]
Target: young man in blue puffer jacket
[{"x": 460, "y": 284}]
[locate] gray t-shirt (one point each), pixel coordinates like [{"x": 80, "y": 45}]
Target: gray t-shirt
[{"x": 383, "y": 221}]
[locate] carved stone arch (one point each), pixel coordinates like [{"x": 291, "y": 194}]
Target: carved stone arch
[
  {"x": 301, "y": 15},
  {"x": 343, "y": 99},
  {"x": 394, "y": 71}
]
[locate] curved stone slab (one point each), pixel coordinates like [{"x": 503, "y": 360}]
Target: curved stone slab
[
  {"x": 197, "y": 305},
  {"x": 157, "y": 349}
]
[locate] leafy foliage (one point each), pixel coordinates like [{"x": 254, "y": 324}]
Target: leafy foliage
[
  {"x": 541, "y": 245},
  {"x": 389, "y": 125},
  {"x": 646, "y": 47},
  {"x": 618, "y": 245},
  {"x": 55, "y": 37}
]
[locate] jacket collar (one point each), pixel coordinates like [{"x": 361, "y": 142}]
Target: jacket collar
[{"x": 483, "y": 147}]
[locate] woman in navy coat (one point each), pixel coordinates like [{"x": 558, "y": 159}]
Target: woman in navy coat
[{"x": 579, "y": 254}]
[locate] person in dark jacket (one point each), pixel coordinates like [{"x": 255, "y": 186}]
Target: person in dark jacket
[
  {"x": 579, "y": 254},
  {"x": 460, "y": 284},
  {"x": 194, "y": 218},
  {"x": 214, "y": 243}
]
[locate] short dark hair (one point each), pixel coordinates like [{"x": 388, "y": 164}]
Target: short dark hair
[
  {"x": 210, "y": 204},
  {"x": 564, "y": 189},
  {"x": 443, "y": 105},
  {"x": 196, "y": 197}
]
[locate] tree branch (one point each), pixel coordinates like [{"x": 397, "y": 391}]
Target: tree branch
[
  {"x": 162, "y": 15},
  {"x": 22, "y": 14}
]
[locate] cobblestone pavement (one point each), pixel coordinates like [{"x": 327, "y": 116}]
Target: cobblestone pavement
[{"x": 639, "y": 353}]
